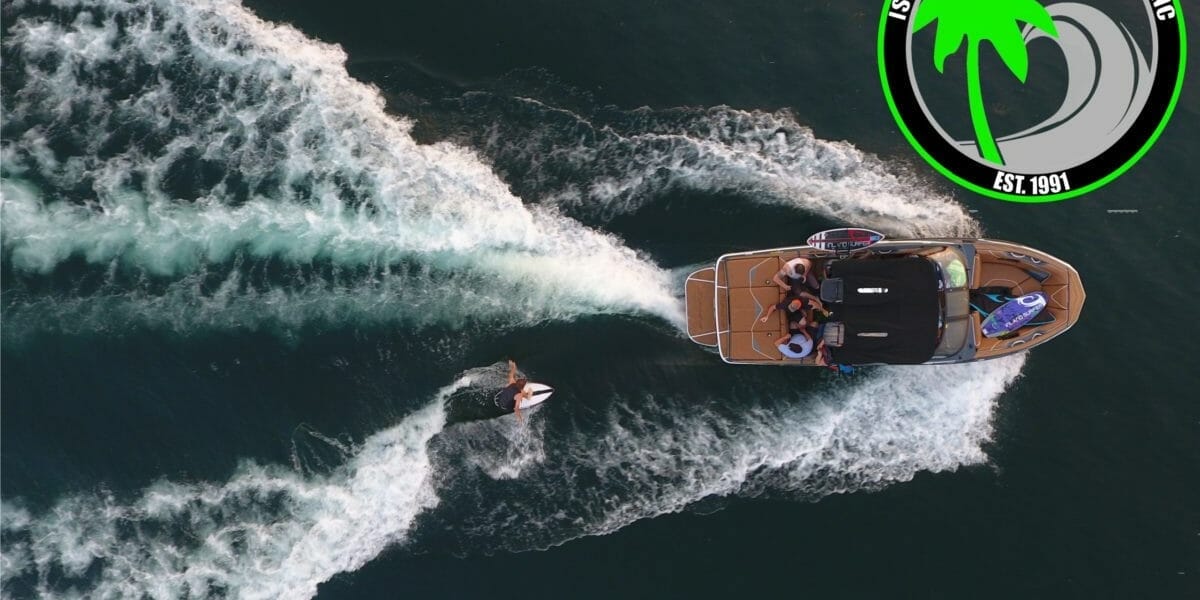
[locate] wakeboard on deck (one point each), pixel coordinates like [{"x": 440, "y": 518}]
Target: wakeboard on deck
[{"x": 1013, "y": 315}]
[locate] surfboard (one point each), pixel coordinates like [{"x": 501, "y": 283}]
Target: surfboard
[
  {"x": 541, "y": 393},
  {"x": 1014, "y": 314},
  {"x": 846, "y": 239}
]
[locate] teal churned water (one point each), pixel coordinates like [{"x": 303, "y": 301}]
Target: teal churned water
[{"x": 263, "y": 263}]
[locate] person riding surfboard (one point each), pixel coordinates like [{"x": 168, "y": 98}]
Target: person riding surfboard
[{"x": 514, "y": 393}]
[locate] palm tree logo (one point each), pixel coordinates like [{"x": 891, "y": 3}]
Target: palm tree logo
[{"x": 994, "y": 21}]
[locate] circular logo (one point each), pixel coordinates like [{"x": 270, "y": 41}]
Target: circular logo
[{"x": 1111, "y": 92}]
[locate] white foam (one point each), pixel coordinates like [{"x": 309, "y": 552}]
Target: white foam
[
  {"x": 662, "y": 454},
  {"x": 622, "y": 163},
  {"x": 312, "y": 168},
  {"x": 503, "y": 448},
  {"x": 268, "y": 532},
  {"x": 413, "y": 295},
  {"x": 367, "y": 195}
]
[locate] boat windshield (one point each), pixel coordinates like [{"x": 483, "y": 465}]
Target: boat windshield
[
  {"x": 952, "y": 265},
  {"x": 955, "y": 321}
]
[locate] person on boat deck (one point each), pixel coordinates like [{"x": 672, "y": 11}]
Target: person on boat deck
[
  {"x": 511, "y": 396},
  {"x": 792, "y": 307},
  {"x": 823, "y": 355},
  {"x": 796, "y": 276},
  {"x": 799, "y": 310},
  {"x": 794, "y": 344}
]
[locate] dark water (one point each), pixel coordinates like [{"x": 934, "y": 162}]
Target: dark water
[{"x": 253, "y": 311}]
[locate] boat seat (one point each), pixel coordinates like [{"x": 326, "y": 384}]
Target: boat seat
[
  {"x": 750, "y": 304},
  {"x": 1058, "y": 296},
  {"x": 754, "y": 345},
  {"x": 1008, "y": 276},
  {"x": 832, "y": 290},
  {"x": 751, "y": 271},
  {"x": 701, "y": 317},
  {"x": 833, "y": 334}
]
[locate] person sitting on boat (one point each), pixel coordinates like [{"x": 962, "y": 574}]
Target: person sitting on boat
[
  {"x": 796, "y": 276},
  {"x": 824, "y": 359},
  {"x": 792, "y": 307},
  {"x": 822, "y": 355},
  {"x": 815, "y": 309},
  {"x": 799, "y": 310},
  {"x": 511, "y": 396},
  {"x": 795, "y": 344}
]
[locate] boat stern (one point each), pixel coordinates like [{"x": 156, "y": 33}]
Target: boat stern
[{"x": 700, "y": 299}]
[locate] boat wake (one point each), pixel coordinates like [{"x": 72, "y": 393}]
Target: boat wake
[
  {"x": 193, "y": 167},
  {"x": 605, "y": 162},
  {"x": 491, "y": 485},
  {"x": 213, "y": 170},
  {"x": 186, "y": 166},
  {"x": 268, "y": 532},
  {"x": 661, "y": 453}
]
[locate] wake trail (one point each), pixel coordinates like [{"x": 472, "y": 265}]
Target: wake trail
[
  {"x": 215, "y": 151},
  {"x": 609, "y": 162},
  {"x": 267, "y": 532},
  {"x": 660, "y": 453},
  {"x": 492, "y": 485},
  {"x": 160, "y": 140}
]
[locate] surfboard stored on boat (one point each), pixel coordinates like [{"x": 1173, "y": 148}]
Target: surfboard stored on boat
[
  {"x": 844, "y": 240},
  {"x": 1013, "y": 315}
]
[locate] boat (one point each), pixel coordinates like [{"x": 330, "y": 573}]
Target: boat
[{"x": 890, "y": 301}]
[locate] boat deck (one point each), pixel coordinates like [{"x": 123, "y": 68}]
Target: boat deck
[
  {"x": 1016, "y": 267},
  {"x": 726, "y": 301}
]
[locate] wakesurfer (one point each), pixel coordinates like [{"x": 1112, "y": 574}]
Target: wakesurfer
[{"x": 514, "y": 393}]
